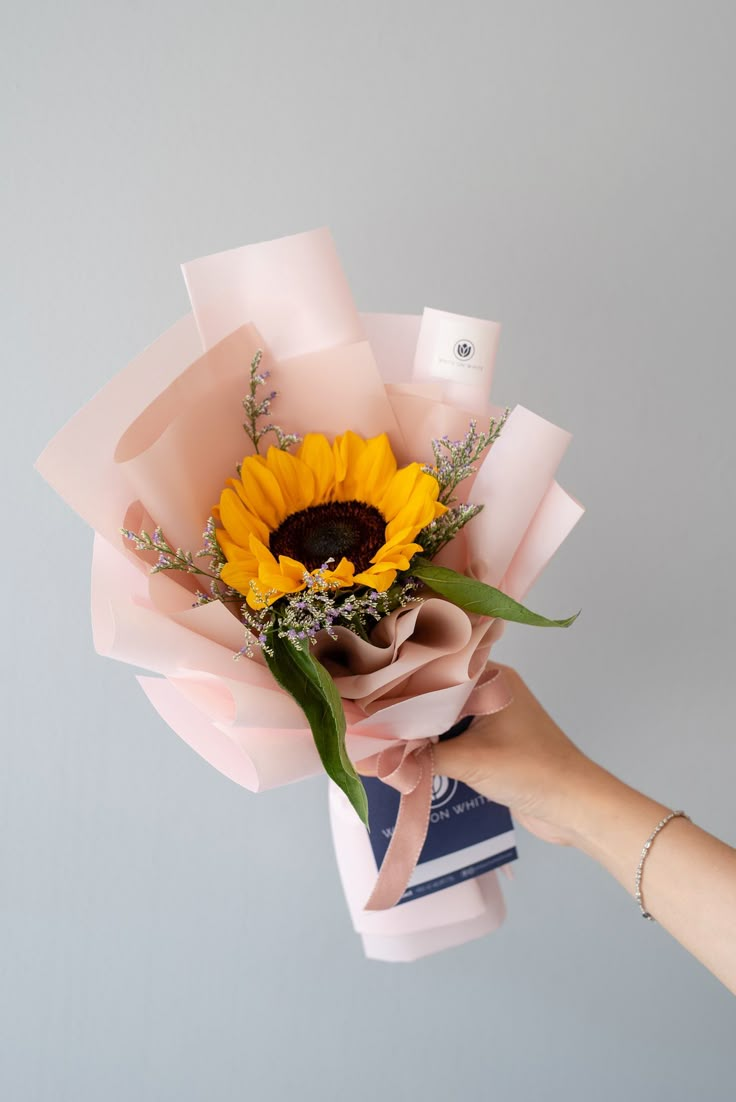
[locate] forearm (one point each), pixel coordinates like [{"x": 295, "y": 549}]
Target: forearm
[{"x": 689, "y": 880}]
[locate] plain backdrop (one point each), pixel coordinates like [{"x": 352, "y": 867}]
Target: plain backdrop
[{"x": 564, "y": 168}]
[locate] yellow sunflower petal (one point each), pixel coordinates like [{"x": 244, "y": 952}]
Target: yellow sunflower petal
[
  {"x": 292, "y": 568},
  {"x": 347, "y": 450},
  {"x": 400, "y": 490},
  {"x": 374, "y": 470},
  {"x": 273, "y": 579},
  {"x": 282, "y": 583},
  {"x": 316, "y": 454},
  {"x": 397, "y": 540},
  {"x": 377, "y": 579},
  {"x": 262, "y": 553},
  {"x": 398, "y": 562},
  {"x": 294, "y": 477},
  {"x": 257, "y": 597},
  {"x": 343, "y": 575},
  {"x": 238, "y": 576},
  {"x": 344, "y": 567},
  {"x": 262, "y": 492},
  {"x": 429, "y": 485},
  {"x": 284, "y": 576},
  {"x": 235, "y": 552},
  {"x": 396, "y": 549},
  {"x": 415, "y": 516},
  {"x": 239, "y": 523},
  {"x": 259, "y": 528}
]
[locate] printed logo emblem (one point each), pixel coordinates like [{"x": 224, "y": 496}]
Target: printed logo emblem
[
  {"x": 464, "y": 349},
  {"x": 443, "y": 789}
]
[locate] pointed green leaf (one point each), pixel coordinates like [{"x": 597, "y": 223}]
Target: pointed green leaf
[
  {"x": 309, "y": 683},
  {"x": 474, "y": 596}
]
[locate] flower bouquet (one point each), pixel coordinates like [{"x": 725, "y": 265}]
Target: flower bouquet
[{"x": 312, "y": 524}]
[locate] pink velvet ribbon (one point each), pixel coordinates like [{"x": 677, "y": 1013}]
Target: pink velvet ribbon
[{"x": 408, "y": 766}]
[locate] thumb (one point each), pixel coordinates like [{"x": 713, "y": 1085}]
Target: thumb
[{"x": 465, "y": 758}]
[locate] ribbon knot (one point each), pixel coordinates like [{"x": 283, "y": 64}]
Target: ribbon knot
[{"x": 408, "y": 766}]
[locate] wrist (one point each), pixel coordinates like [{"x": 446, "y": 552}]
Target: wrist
[{"x": 610, "y": 821}]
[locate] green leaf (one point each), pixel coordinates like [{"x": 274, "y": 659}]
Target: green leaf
[
  {"x": 478, "y": 597},
  {"x": 309, "y": 683}
]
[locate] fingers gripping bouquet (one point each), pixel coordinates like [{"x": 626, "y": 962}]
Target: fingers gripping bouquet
[{"x": 311, "y": 525}]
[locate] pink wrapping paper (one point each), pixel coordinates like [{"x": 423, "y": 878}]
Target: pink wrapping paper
[
  {"x": 157, "y": 444},
  {"x": 293, "y": 289}
]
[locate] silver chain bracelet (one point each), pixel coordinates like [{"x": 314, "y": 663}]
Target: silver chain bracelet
[{"x": 645, "y": 853}]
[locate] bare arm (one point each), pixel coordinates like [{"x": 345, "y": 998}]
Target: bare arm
[{"x": 521, "y": 758}]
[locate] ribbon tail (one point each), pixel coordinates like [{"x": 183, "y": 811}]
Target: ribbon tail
[
  {"x": 406, "y": 842},
  {"x": 491, "y": 694}
]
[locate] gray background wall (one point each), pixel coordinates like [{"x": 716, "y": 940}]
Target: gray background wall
[{"x": 567, "y": 168}]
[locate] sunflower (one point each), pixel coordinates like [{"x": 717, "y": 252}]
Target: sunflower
[{"x": 344, "y": 513}]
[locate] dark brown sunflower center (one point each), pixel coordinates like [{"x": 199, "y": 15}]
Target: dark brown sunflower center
[{"x": 336, "y": 530}]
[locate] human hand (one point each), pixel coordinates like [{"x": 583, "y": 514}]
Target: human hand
[{"x": 519, "y": 757}]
